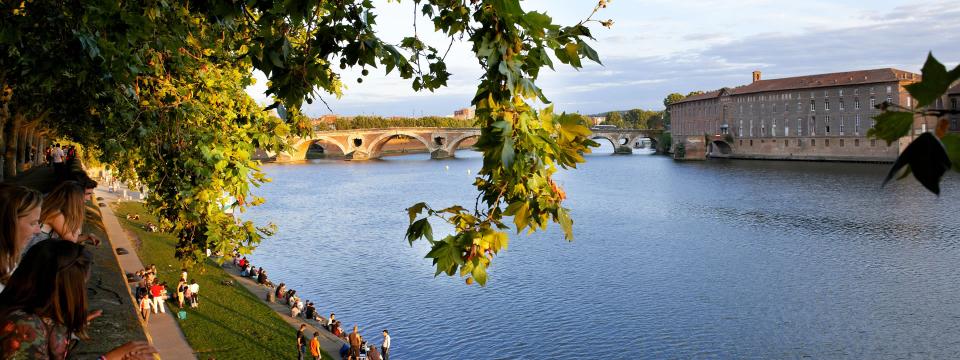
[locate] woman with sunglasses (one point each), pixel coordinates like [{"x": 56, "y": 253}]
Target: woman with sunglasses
[{"x": 45, "y": 302}]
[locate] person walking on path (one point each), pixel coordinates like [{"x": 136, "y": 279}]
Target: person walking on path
[
  {"x": 301, "y": 341},
  {"x": 57, "y": 155},
  {"x": 315, "y": 345},
  {"x": 156, "y": 294},
  {"x": 354, "y": 340},
  {"x": 385, "y": 348},
  {"x": 194, "y": 293}
]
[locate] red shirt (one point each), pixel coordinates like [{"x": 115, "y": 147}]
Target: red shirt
[{"x": 156, "y": 290}]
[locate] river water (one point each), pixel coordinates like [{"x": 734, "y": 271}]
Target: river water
[{"x": 716, "y": 259}]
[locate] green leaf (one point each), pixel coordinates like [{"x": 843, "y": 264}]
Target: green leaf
[
  {"x": 935, "y": 81},
  {"x": 479, "y": 274},
  {"x": 446, "y": 256},
  {"x": 926, "y": 158},
  {"x": 522, "y": 216},
  {"x": 415, "y": 210},
  {"x": 589, "y": 53},
  {"x": 566, "y": 223},
  {"x": 506, "y": 8},
  {"x": 891, "y": 126},
  {"x": 507, "y": 154}
]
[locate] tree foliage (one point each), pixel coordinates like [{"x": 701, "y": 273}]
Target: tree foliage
[
  {"x": 667, "y": 101},
  {"x": 929, "y": 155},
  {"x": 157, "y": 87}
]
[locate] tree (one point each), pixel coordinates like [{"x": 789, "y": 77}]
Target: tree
[
  {"x": 616, "y": 119},
  {"x": 929, "y": 155},
  {"x": 158, "y": 89}
]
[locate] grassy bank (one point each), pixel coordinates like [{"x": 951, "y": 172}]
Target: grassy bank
[{"x": 231, "y": 323}]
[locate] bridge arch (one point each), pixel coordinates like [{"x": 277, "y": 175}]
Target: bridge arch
[
  {"x": 304, "y": 145},
  {"x": 719, "y": 147},
  {"x": 615, "y": 142},
  {"x": 375, "y": 147},
  {"x": 455, "y": 144}
]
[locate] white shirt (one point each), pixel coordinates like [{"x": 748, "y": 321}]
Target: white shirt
[
  {"x": 194, "y": 288},
  {"x": 386, "y": 341},
  {"x": 57, "y": 155}
]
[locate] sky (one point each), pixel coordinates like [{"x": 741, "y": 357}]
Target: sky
[{"x": 657, "y": 47}]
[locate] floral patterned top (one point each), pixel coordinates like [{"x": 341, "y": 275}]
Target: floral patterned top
[{"x": 27, "y": 336}]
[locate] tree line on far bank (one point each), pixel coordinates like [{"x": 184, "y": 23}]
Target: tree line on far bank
[
  {"x": 645, "y": 119},
  {"x": 377, "y": 122}
]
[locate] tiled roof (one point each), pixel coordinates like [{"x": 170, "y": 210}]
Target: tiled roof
[
  {"x": 955, "y": 89},
  {"x": 815, "y": 81}
]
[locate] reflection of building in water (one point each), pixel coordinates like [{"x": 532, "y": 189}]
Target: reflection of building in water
[
  {"x": 465, "y": 113},
  {"x": 812, "y": 117}
]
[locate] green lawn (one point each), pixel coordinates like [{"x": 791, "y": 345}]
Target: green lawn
[{"x": 231, "y": 323}]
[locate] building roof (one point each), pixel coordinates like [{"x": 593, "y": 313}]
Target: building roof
[
  {"x": 814, "y": 81},
  {"x": 955, "y": 89}
]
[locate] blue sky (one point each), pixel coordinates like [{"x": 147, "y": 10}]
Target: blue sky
[{"x": 658, "y": 46}]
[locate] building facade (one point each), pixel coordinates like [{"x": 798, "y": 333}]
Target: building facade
[{"x": 814, "y": 117}]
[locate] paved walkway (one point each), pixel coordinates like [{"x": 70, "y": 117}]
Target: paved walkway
[
  {"x": 163, "y": 330},
  {"x": 329, "y": 343}
]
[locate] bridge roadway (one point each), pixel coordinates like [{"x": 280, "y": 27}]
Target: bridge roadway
[{"x": 365, "y": 144}]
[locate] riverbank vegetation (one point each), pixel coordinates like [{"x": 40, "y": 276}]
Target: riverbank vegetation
[
  {"x": 377, "y": 122},
  {"x": 231, "y": 322}
]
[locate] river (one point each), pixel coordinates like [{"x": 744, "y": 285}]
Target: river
[{"x": 715, "y": 259}]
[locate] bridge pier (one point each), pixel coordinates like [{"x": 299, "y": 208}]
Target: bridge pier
[
  {"x": 441, "y": 154},
  {"x": 358, "y": 155},
  {"x": 623, "y": 150}
]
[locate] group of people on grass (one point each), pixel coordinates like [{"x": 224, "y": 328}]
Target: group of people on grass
[
  {"x": 355, "y": 348},
  {"x": 44, "y": 269},
  {"x": 152, "y": 293}
]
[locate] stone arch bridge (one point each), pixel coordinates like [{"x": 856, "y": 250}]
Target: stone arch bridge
[{"x": 365, "y": 144}]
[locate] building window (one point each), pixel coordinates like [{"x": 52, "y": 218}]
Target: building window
[
  {"x": 841, "y": 125},
  {"x": 840, "y": 92},
  {"x": 763, "y": 128},
  {"x": 856, "y": 103},
  {"x": 826, "y": 125},
  {"x": 871, "y": 89},
  {"x": 740, "y": 129},
  {"x": 751, "y": 142},
  {"x": 799, "y": 106},
  {"x": 856, "y": 128},
  {"x": 841, "y": 104},
  {"x": 826, "y": 143},
  {"x": 825, "y": 93},
  {"x": 786, "y": 142},
  {"x": 799, "y": 142},
  {"x": 773, "y": 127},
  {"x": 873, "y": 142},
  {"x": 813, "y": 105},
  {"x": 856, "y": 91},
  {"x": 909, "y": 101},
  {"x": 786, "y": 128},
  {"x": 953, "y": 104},
  {"x": 841, "y": 142},
  {"x": 741, "y": 142},
  {"x": 856, "y": 142},
  {"x": 873, "y": 102},
  {"x": 813, "y": 142},
  {"x": 813, "y": 126},
  {"x": 826, "y": 104},
  {"x": 889, "y": 99},
  {"x": 889, "y": 89},
  {"x": 751, "y": 129},
  {"x": 799, "y": 127}
]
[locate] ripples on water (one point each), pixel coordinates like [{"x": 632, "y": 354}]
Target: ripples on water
[{"x": 717, "y": 259}]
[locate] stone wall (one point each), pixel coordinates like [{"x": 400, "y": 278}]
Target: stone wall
[{"x": 814, "y": 148}]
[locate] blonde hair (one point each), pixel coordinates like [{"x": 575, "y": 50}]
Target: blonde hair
[
  {"x": 65, "y": 199},
  {"x": 15, "y": 202}
]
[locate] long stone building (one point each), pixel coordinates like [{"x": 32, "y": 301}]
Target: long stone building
[{"x": 814, "y": 117}]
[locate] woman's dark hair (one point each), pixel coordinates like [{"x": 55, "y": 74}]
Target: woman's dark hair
[{"x": 51, "y": 282}]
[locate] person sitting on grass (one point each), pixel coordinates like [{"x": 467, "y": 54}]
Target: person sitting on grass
[
  {"x": 262, "y": 277},
  {"x": 45, "y": 304}
]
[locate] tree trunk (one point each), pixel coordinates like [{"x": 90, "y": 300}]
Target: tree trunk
[{"x": 10, "y": 148}]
